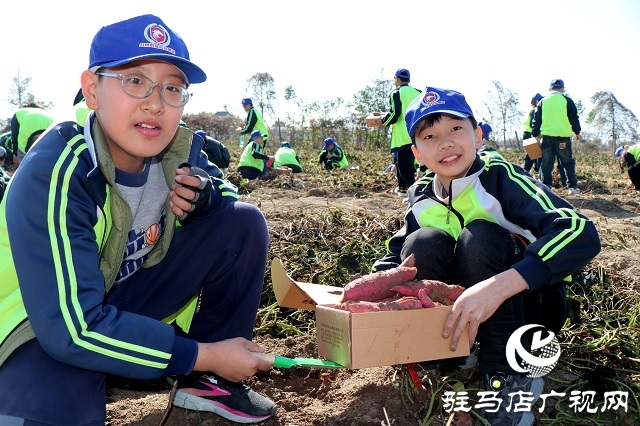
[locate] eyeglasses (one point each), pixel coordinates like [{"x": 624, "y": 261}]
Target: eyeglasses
[{"x": 140, "y": 87}]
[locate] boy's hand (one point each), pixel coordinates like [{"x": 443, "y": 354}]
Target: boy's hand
[
  {"x": 233, "y": 359},
  {"x": 479, "y": 302},
  {"x": 190, "y": 193}
]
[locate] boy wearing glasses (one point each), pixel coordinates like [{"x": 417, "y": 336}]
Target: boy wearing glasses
[{"x": 124, "y": 252}]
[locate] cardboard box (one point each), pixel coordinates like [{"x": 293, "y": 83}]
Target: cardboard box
[
  {"x": 374, "y": 119},
  {"x": 532, "y": 147},
  {"x": 367, "y": 339}
]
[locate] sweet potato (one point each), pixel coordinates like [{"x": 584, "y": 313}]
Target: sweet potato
[
  {"x": 446, "y": 294},
  {"x": 376, "y": 286},
  {"x": 409, "y": 262},
  {"x": 425, "y": 300},
  {"x": 437, "y": 291},
  {"x": 360, "y": 306}
]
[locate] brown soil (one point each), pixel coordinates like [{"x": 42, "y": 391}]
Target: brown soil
[{"x": 367, "y": 396}]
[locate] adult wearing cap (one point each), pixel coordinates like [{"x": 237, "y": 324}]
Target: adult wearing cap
[
  {"x": 27, "y": 124},
  {"x": 285, "y": 156},
  {"x": 124, "y": 251},
  {"x": 528, "y": 119},
  {"x": 554, "y": 121},
  {"x": 254, "y": 121},
  {"x": 253, "y": 161},
  {"x": 400, "y": 147},
  {"x": 332, "y": 155}
]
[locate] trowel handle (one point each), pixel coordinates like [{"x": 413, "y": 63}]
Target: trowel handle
[{"x": 277, "y": 360}]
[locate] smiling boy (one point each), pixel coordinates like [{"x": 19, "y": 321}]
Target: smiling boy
[
  {"x": 485, "y": 224},
  {"x": 125, "y": 252}
]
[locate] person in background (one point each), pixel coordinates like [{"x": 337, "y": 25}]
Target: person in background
[
  {"x": 254, "y": 121},
  {"x": 287, "y": 157},
  {"x": 5, "y": 142},
  {"x": 555, "y": 120},
  {"x": 480, "y": 223},
  {"x": 403, "y": 158},
  {"x": 254, "y": 162},
  {"x": 332, "y": 156},
  {"x": 146, "y": 264},
  {"x": 216, "y": 151},
  {"x": 526, "y": 134},
  {"x": 486, "y": 131},
  {"x": 631, "y": 155},
  {"x": 80, "y": 108},
  {"x": 620, "y": 154},
  {"x": 27, "y": 124}
]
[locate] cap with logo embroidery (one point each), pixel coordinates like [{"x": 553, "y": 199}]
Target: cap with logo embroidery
[
  {"x": 140, "y": 38},
  {"x": 255, "y": 134},
  {"x": 433, "y": 101}
]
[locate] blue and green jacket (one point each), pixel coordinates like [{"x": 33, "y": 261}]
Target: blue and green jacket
[
  {"x": 399, "y": 101},
  {"x": 63, "y": 230},
  {"x": 561, "y": 240},
  {"x": 255, "y": 122}
]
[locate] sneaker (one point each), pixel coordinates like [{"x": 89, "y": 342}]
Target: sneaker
[
  {"x": 400, "y": 191},
  {"x": 231, "y": 400},
  {"x": 574, "y": 191},
  {"x": 514, "y": 391}
]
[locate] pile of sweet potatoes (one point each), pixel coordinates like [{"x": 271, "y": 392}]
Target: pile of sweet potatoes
[{"x": 395, "y": 290}]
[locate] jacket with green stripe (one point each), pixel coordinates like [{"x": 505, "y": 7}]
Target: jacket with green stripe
[
  {"x": 561, "y": 240},
  {"x": 399, "y": 101},
  {"x": 556, "y": 116},
  {"x": 255, "y": 122},
  {"x": 63, "y": 230}
]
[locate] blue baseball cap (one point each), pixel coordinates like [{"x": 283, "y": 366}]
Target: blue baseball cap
[
  {"x": 435, "y": 101},
  {"x": 255, "y": 134},
  {"x": 201, "y": 133},
  {"x": 557, "y": 83},
  {"x": 247, "y": 101},
  {"x": 285, "y": 144},
  {"x": 536, "y": 98},
  {"x": 142, "y": 37},
  {"x": 403, "y": 74},
  {"x": 327, "y": 142},
  {"x": 486, "y": 130}
]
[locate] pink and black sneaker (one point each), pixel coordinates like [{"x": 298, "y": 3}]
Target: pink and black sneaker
[{"x": 231, "y": 400}]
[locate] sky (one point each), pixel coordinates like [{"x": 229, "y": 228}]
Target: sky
[{"x": 335, "y": 48}]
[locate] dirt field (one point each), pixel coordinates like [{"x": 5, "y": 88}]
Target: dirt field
[{"x": 366, "y": 396}]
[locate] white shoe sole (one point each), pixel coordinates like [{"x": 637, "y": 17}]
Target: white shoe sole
[{"x": 192, "y": 402}]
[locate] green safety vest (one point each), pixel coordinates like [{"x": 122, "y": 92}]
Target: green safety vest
[
  {"x": 285, "y": 155},
  {"x": 247, "y": 159}
]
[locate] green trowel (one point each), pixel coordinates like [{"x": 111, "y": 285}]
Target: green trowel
[{"x": 284, "y": 362}]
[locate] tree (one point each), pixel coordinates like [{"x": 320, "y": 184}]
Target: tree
[
  {"x": 19, "y": 93},
  {"x": 262, "y": 87},
  {"x": 502, "y": 104},
  {"x": 614, "y": 122},
  {"x": 374, "y": 97}
]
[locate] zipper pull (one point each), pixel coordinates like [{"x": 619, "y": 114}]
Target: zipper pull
[{"x": 448, "y": 214}]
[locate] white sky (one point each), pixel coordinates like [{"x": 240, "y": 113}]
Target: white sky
[{"x": 329, "y": 49}]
